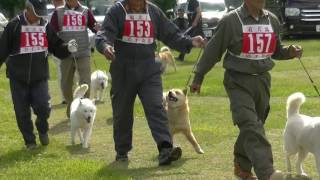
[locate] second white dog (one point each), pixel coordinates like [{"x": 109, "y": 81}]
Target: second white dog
[
  {"x": 99, "y": 82},
  {"x": 300, "y": 134},
  {"x": 82, "y": 115}
]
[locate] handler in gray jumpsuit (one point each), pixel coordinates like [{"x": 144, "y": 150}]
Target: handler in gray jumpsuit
[
  {"x": 250, "y": 35},
  {"x": 128, "y": 38}
]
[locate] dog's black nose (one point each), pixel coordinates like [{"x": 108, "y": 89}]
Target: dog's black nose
[{"x": 170, "y": 93}]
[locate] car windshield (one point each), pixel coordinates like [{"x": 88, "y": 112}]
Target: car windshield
[{"x": 206, "y": 7}]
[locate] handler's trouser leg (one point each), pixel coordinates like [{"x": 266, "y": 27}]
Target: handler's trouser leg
[
  {"x": 150, "y": 94},
  {"x": 249, "y": 103},
  {"x": 68, "y": 67},
  {"x": 21, "y": 101},
  {"x": 41, "y": 105}
]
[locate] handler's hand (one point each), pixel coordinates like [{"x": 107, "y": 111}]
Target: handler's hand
[
  {"x": 72, "y": 46},
  {"x": 109, "y": 53},
  {"x": 195, "y": 88},
  {"x": 295, "y": 51},
  {"x": 198, "y": 41}
]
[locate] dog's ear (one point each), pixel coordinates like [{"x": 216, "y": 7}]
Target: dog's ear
[{"x": 185, "y": 91}]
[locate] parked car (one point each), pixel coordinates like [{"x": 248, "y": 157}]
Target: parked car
[
  {"x": 302, "y": 17},
  {"x": 212, "y": 12}
]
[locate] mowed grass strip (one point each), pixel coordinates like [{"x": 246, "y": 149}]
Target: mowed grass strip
[{"x": 210, "y": 118}]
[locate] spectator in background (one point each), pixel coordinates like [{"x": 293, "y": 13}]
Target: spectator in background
[
  {"x": 182, "y": 24},
  {"x": 194, "y": 18},
  {"x": 59, "y": 4},
  {"x": 3, "y": 23}
]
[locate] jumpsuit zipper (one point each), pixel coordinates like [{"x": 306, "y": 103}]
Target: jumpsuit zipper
[{"x": 29, "y": 72}]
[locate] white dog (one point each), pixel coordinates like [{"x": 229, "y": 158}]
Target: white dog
[
  {"x": 301, "y": 134},
  {"x": 176, "y": 103},
  {"x": 99, "y": 82},
  {"x": 166, "y": 58},
  {"x": 82, "y": 115}
]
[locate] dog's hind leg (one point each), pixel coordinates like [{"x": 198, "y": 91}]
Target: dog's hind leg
[
  {"x": 189, "y": 135},
  {"x": 302, "y": 154}
]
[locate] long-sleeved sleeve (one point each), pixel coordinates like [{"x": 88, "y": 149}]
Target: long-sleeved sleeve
[
  {"x": 109, "y": 30},
  {"x": 6, "y": 42},
  {"x": 170, "y": 34},
  {"x": 91, "y": 22},
  {"x": 56, "y": 45},
  {"x": 213, "y": 52},
  {"x": 281, "y": 51}
]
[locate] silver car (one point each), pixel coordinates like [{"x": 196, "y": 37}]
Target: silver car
[{"x": 211, "y": 11}]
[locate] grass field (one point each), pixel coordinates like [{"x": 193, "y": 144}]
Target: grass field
[{"x": 211, "y": 123}]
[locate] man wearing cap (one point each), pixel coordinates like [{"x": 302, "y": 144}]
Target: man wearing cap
[
  {"x": 72, "y": 22},
  {"x": 26, "y": 41}
]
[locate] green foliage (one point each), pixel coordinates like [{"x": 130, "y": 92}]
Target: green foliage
[
  {"x": 11, "y": 5},
  {"x": 164, "y": 4}
]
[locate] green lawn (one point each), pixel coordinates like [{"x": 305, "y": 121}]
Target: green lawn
[{"x": 211, "y": 123}]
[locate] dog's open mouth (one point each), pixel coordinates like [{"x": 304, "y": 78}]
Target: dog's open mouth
[
  {"x": 172, "y": 98},
  {"x": 88, "y": 119}
]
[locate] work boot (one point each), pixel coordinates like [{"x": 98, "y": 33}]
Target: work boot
[
  {"x": 122, "y": 157},
  {"x": 44, "y": 139},
  {"x": 241, "y": 174},
  {"x": 167, "y": 155},
  {"x": 277, "y": 175},
  {"x": 31, "y": 146}
]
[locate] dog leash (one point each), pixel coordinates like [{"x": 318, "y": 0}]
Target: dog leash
[
  {"x": 305, "y": 70},
  {"x": 193, "y": 69}
]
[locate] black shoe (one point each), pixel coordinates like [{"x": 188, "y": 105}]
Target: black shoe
[
  {"x": 44, "y": 139},
  {"x": 31, "y": 146},
  {"x": 64, "y": 102},
  {"x": 122, "y": 157},
  {"x": 167, "y": 155}
]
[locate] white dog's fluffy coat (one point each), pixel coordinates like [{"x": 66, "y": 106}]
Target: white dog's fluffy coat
[
  {"x": 99, "y": 82},
  {"x": 82, "y": 115},
  {"x": 167, "y": 58},
  {"x": 176, "y": 103},
  {"x": 301, "y": 134}
]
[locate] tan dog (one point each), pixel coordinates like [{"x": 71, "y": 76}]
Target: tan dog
[
  {"x": 167, "y": 58},
  {"x": 177, "y": 108}
]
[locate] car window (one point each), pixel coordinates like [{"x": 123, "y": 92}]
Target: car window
[{"x": 205, "y": 7}]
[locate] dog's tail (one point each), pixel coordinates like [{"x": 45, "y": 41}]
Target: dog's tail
[
  {"x": 80, "y": 91},
  {"x": 294, "y": 102}
]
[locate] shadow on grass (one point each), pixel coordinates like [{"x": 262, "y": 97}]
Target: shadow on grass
[
  {"x": 121, "y": 170},
  {"x": 58, "y": 106},
  {"x": 60, "y": 127},
  {"x": 22, "y": 155},
  {"x": 109, "y": 121},
  {"x": 77, "y": 149}
]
